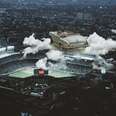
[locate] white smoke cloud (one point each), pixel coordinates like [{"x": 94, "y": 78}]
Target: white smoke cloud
[
  {"x": 27, "y": 50},
  {"x": 31, "y": 41},
  {"x": 42, "y": 63},
  {"x": 35, "y": 45},
  {"x": 54, "y": 55},
  {"x": 98, "y": 45}
]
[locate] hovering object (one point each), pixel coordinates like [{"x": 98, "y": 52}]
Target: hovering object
[{"x": 67, "y": 40}]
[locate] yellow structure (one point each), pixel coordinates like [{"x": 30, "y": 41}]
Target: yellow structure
[{"x": 68, "y": 40}]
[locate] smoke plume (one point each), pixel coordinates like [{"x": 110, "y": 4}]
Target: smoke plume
[{"x": 99, "y": 45}]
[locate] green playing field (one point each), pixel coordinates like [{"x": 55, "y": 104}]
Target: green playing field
[
  {"x": 22, "y": 73},
  {"x": 29, "y": 71}
]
